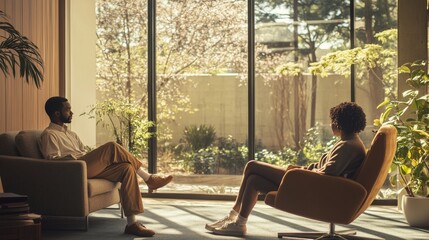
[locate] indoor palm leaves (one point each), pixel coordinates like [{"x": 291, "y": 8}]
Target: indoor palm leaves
[{"x": 18, "y": 51}]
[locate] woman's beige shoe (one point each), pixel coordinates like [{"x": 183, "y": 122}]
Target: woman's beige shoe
[
  {"x": 155, "y": 181},
  {"x": 217, "y": 224},
  {"x": 231, "y": 229}
]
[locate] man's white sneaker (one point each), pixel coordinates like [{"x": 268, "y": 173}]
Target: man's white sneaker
[
  {"x": 219, "y": 223},
  {"x": 231, "y": 229}
]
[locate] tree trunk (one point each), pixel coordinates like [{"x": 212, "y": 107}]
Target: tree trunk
[
  {"x": 313, "y": 87},
  {"x": 297, "y": 135},
  {"x": 297, "y": 121},
  {"x": 281, "y": 99},
  {"x": 129, "y": 74},
  {"x": 369, "y": 32},
  {"x": 376, "y": 91},
  {"x": 376, "y": 88}
]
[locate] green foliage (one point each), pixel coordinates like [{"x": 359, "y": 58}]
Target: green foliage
[
  {"x": 313, "y": 146},
  {"x": 228, "y": 156},
  {"x": 290, "y": 69},
  {"x": 126, "y": 121},
  {"x": 204, "y": 160},
  {"x": 410, "y": 116},
  {"x": 370, "y": 56},
  {"x": 17, "y": 50},
  {"x": 199, "y": 137},
  {"x": 232, "y": 154},
  {"x": 282, "y": 158}
]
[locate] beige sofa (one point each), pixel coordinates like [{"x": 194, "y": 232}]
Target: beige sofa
[{"x": 57, "y": 189}]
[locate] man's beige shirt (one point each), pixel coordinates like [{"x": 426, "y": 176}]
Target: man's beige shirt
[{"x": 57, "y": 142}]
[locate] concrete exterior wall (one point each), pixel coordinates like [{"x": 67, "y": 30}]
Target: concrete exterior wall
[{"x": 221, "y": 101}]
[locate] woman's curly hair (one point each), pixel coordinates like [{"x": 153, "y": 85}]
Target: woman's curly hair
[{"x": 348, "y": 117}]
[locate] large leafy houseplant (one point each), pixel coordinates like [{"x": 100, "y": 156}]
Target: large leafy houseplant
[
  {"x": 18, "y": 51},
  {"x": 410, "y": 116}
]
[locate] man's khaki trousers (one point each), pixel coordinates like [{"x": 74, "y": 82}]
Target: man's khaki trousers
[{"x": 113, "y": 162}]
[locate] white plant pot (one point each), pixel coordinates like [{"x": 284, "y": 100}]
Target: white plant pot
[{"x": 416, "y": 211}]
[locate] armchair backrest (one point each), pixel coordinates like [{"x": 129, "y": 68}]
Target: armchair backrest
[
  {"x": 27, "y": 142},
  {"x": 7, "y": 143},
  {"x": 373, "y": 171},
  {"x": 24, "y": 143}
]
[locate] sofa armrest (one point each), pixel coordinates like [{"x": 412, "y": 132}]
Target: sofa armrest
[
  {"x": 321, "y": 197},
  {"x": 56, "y": 188}
]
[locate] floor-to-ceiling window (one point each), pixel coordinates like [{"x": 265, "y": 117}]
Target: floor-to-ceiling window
[
  {"x": 201, "y": 93},
  {"x": 302, "y": 68},
  {"x": 376, "y": 64},
  {"x": 121, "y": 74},
  {"x": 292, "y": 103}
]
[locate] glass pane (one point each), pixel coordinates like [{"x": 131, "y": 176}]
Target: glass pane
[
  {"x": 376, "y": 33},
  {"x": 292, "y": 115},
  {"x": 201, "y": 94},
  {"x": 122, "y": 74}
]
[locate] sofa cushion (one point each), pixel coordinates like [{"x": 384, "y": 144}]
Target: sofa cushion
[
  {"x": 98, "y": 186},
  {"x": 7, "y": 143},
  {"x": 27, "y": 143}
]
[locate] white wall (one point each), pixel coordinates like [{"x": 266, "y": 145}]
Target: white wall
[{"x": 80, "y": 65}]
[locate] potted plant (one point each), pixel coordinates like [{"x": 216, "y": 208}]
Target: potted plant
[
  {"x": 18, "y": 51},
  {"x": 410, "y": 116}
]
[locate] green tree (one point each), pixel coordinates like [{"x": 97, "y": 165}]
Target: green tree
[
  {"x": 326, "y": 23},
  {"x": 192, "y": 37},
  {"x": 185, "y": 45},
  {"x": 315, "y": 23},
  {"x": 290, "y": 74},
  {"x": 377, "y": 16},
  {"x": 369, "y": 57},
  {"x": 119, "y": 33},
  {"x": 210, "y": 37}
]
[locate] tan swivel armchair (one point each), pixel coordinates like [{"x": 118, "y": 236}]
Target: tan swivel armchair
[{"x": 336, "y": 200}]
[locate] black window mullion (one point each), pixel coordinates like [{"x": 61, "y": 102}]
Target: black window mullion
[
  {"x": 151, "y": 85},
  {"x": 251, "y": 78},
  {"x": 352, "y": 45}
]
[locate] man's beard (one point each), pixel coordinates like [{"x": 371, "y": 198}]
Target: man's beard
[{"x": 64, "y": 119}]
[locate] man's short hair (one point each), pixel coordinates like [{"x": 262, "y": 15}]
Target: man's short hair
[{"x": 54, "y": 104}]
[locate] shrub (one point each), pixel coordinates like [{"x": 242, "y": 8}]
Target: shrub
[
  {"x": 204, "y": 161},
  {"x": 284, "y": 157},
  {"x": 231, "y": 155},
  {"x": 199, "y": 137}
]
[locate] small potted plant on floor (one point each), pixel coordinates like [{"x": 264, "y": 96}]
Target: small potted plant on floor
[{"x": 410, "y": 116}]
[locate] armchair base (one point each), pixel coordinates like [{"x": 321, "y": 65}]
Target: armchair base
[
  {"x": 332, "y": 234},
  {"x": 316, "y": 235}
]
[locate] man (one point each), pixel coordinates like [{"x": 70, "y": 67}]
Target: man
[{"x": 110, "y": 161}]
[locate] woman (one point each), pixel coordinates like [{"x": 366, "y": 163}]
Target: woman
[{"x": 347, "y": 120}]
